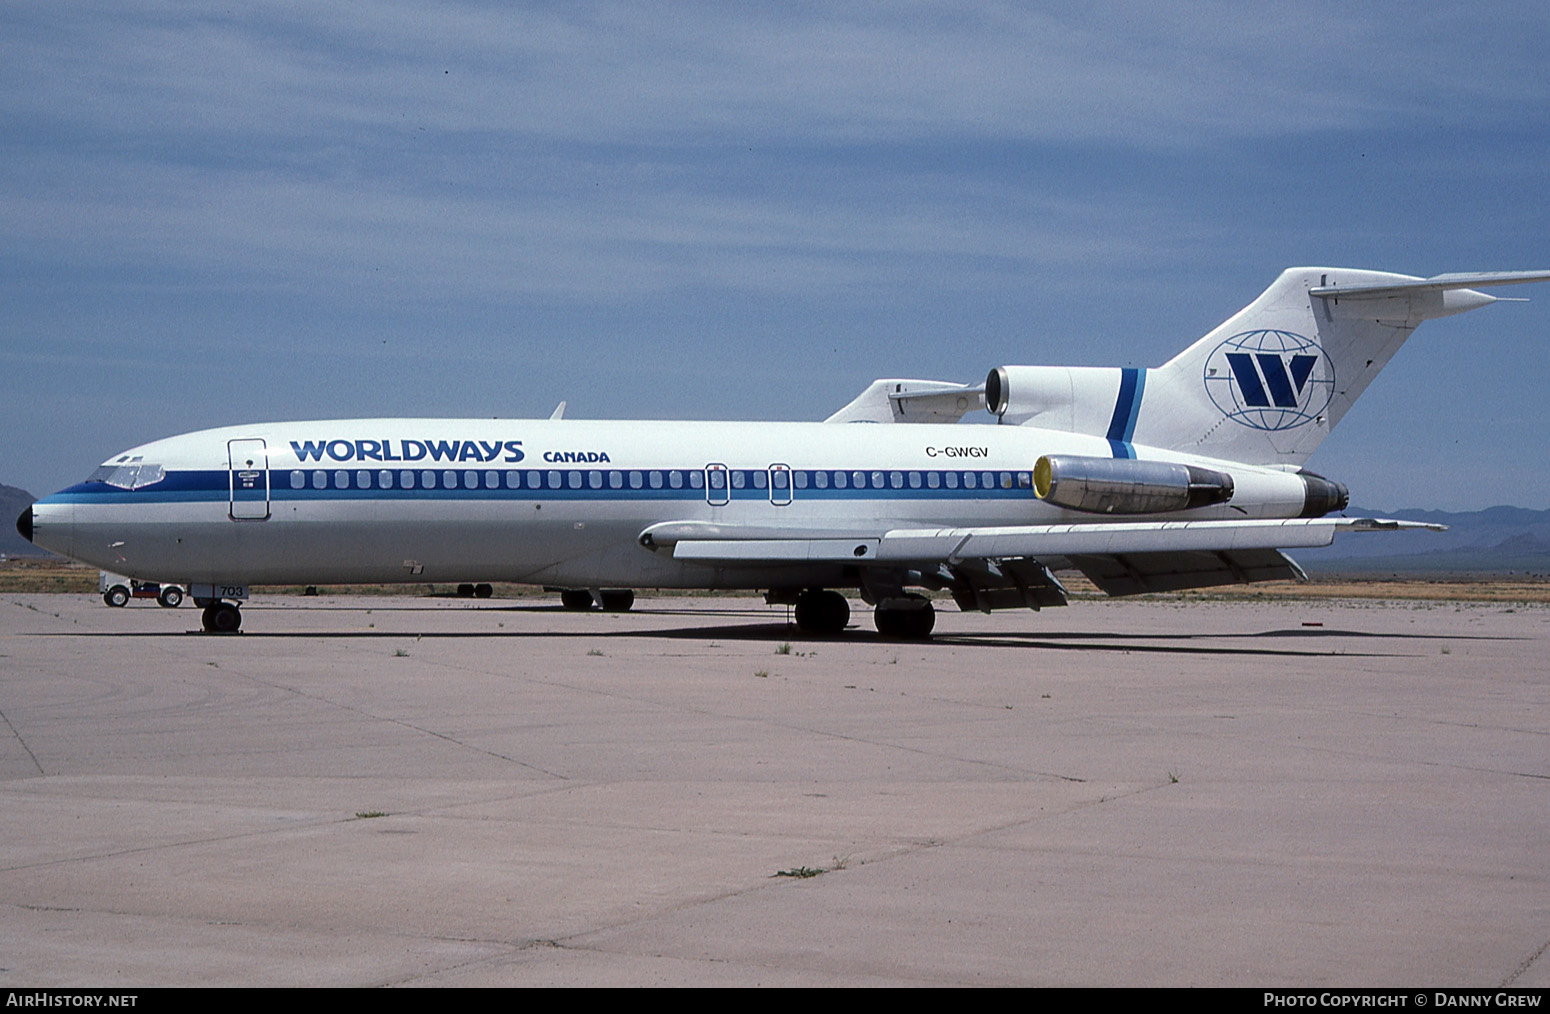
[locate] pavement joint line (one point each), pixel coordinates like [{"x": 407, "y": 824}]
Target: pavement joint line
[
  {"x": 390, "y": 720},
  {"x": 1526, "y": 965},
  {"x": 687, "y": 709},
  {"x": 92, "y": 857},
  {"x": 24, "y": 745},
  {"x": 887, "y": 854}
]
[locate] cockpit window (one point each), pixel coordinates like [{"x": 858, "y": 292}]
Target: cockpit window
[{"x": 132, "y": 476}]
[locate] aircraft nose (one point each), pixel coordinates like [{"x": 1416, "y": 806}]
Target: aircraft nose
[{"x": 24, "y": 524}]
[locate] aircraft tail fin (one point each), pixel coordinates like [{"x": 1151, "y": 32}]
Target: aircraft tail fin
[{"x": 1269, "y": 384}]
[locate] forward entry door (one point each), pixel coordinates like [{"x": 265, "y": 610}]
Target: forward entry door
[{"x": 249, "y": 461}]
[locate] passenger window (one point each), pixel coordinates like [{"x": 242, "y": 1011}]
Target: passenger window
[
  {"x": 696, "y": 480},
  {"x": 637, "y": 480},
  {"x": 779, "y": 479},
  {"x": 363, "y": 479},
  {"x": 858, "y": 479},
  {"x": 406, "y": 480},
  {"x": 492, "y": 479},
  {"x": 554, "y": 480},
  {"x": 969, "y": 482},
  {"x": 739, "y": 480},
  {"x": 595, "y": 479},
  {"x": 718, "y": 479},
  {"x": 341, "y": 480},
  {"x": 840, "y": 481},
  {"x": 933, "y": 480},
  {"x": 877, "y": 480},
  {"x": 470, "y": 480},
  {"x": 952, "y": 480},
  {"x": 800, "y": 478},
  {"x": 1024, "y": 480},
  {"x": 385, "y": 479},
  {"x": 574, "y": 480},
  {"x": 513, "y": 479},
  {"x": 675, "y": 479},
  {"x": 320, "y": 479},
  {"x": 298, "y": 480},
  {"x": 656, "y": 480},
  {"x": 895, "y": 479},
  {"x": 1006, "y": 480},
  {"x": 449, "y": 479},
  {"x": 428, "y": 479},
  {"x": 615, "y": 480}
]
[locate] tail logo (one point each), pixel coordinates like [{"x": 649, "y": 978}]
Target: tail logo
[{"x": 1270, "y": 380}]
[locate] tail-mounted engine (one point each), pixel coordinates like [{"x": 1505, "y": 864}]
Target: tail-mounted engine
[{"x": 1127, "y": 486}]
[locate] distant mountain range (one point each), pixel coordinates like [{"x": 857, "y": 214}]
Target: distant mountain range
[{"x": 1495, "y": 541}]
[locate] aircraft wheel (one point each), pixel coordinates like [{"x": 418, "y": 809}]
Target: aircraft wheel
[
  {"x": 616, "y": 600},
  {"x": 576, "y": 598},
  {"x": 822, "y": 612},
  {"x": 483, "y": 591},
  {"x": 907, "y": 623},
  {"x": 465, "y": 591},
  {"x": 170, "y": 597},
  {"x": 116, "y": 596},
  {"x": 222, "y": 618}
]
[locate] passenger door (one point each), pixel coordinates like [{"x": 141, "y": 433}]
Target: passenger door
[{"x": 249, "y": 474}]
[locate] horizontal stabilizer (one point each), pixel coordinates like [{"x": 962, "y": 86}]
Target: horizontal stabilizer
[{"x": 1437, "y": 283}]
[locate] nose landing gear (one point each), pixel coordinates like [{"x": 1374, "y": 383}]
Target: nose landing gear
[{"x": 221, "y": 618}]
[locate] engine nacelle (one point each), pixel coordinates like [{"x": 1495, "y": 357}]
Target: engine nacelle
[
  {"x": 1077, "y": 399},
  {"x": 1127, "y": 486},
  {"x": 1322, "y": 496}
]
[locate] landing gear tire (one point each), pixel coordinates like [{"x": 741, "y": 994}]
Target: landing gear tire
[
  {"x": 576, "y": 599},
  {"x": 483, "y": 591},
  {"x": 905, "y": 622},
  {"x": 116, "y": 596},
  {"x": 170, "y": 598},
  {"x": 822, "y": 612},
  {"x": 465, "y": 591},
  {"x": 222, "y": 618},
  {"x": 616, "y": 600}
]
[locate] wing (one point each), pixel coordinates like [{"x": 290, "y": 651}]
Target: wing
[{"x": 999, "y": 567}]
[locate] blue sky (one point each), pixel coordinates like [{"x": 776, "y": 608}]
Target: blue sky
[{"x": 215, "y": 213}]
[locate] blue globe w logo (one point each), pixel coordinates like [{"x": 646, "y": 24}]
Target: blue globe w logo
[{"x": 1270, "y": 380}]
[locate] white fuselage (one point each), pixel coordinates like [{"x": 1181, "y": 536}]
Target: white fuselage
[{"x": 558, "y": 502}]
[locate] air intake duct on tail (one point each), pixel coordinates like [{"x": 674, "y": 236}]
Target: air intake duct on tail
[
  {"x": 1322, "y": 495},
  {"x": 1127, "y": 486}
]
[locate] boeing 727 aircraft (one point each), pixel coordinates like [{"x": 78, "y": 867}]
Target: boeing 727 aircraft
[{"x": 1184, "y": 476}]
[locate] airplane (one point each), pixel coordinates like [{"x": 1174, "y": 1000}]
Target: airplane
[{"x": 1187, "y": 475}]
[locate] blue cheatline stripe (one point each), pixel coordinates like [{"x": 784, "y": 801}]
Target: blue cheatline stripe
[
  {"x": 213, "y": 486},
  {"x": 1122, "y": 428}
]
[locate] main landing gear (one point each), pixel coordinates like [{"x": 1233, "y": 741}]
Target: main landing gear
[
  {"x": 221, "y": 617},
  {"x": 822, "y": 612},
  {"x": 908, "y": 618},
  {"x": 905, "y": 616},
  {"x": 610, "y": 600}
]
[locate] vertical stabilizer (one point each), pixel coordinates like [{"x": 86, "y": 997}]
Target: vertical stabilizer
[{"x": 1268, "y": 385}]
